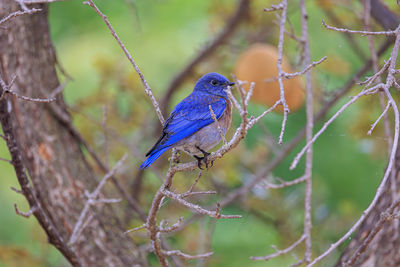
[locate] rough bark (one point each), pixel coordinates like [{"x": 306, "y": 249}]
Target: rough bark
[{"x": 58, "y": 171}]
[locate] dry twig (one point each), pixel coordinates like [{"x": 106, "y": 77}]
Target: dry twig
[
  {"x": 130, "y": 58},
  {"x": 92, "y": 200}
]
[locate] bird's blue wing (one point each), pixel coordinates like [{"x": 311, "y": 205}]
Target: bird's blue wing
[{"x": 189, "y": 116}]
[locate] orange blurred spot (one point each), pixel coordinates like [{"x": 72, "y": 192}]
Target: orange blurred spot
[{"x": 257, "y": 64}]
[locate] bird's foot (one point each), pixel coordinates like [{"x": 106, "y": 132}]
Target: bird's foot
[
  {"x": 203, "y": 159},
  {"x": 199, "y": 160}
]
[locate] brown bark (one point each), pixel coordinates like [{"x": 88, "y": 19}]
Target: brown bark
[{"x": 57, "y": 169}]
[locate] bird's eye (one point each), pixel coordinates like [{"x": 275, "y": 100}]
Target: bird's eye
[{"x": 214, "y": 82}]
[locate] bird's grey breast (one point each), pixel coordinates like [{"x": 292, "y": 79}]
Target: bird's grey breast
[{"x": 208, "y": 136}]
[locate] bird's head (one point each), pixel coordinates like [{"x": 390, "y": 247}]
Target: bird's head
[{"x": 213, "y": 83}]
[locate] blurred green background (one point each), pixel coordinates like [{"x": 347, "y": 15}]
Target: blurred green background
[{"x": 163, "y": 36}]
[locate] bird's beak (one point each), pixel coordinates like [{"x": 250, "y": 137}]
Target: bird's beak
[{"x": 230, "y": 83}]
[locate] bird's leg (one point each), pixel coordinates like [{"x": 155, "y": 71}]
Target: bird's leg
[
  {"x": 199, "y": 160},
  {"x": 204, "y": 158}
]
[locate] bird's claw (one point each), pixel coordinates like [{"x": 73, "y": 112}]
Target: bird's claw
[
  {"x": 199, "y": 160},
  {"x": 204, "y": 159}
]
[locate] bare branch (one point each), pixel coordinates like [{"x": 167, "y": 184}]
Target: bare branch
[
  {"x": 299, "y": 73},
  {"x": 7, "y": 90},
  {"x": 16, "y": 190},
  {"x": 92, "y": 200},
  {"x": 280, "y": 70},
  {"x": 18, "y": 13},
  {"x": 363, "y": 33},
  {"x": 5, "y": 160},
  {"x": 130, "y": 58},
  {"x": 309, "y": 133},
  {"x": 186, "y": 256},
  {"x": 192, "y": 186},
  {"x": 136, "y": 229},
  {"x": 197, "y": 208},
  {"x": 218, "y": 126},
  {"x": 340, "y": 111},
  {"x": 24, "y": 214},
  {"x": 283, "y": 184},
  {"x": 280, "y": 252},
  {"x": 173, "y": 227},
  {"x": 379, "y": 118},
  {"x": 274, "y": 8}
]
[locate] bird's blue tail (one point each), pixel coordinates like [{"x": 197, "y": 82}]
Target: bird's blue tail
[{"x": 152, "y": 158}]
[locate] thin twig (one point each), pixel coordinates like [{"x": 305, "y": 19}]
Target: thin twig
[
  {"x": 221, "y": 134},
  {"x": 283, "y": 184},
  {"x": 274, "y": 8},
  {"x": 340, "y": 111},
  {"x": 379, "y": 118},
  {"x": 130, "y": 58},
  {"x": 280, "y": 70},
  {"x": 135, "y": 229},
  {"x": 197, "y": 208},
  {"x": 7, "y": 90},
  {"x": 5, "y": 160},
  {"x": 18, "y": 13},
  {"x": 92, "y": 199},
  {"x": 387, "y": 33},
  {"x": 24, "y": 214},
  {"x": 186, "y": 256},
  {"x": 299, "y": 73},
  {"x": 280, "y": 252}
]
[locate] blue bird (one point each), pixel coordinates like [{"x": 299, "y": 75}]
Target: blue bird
[{"x": 190, "y": 126}]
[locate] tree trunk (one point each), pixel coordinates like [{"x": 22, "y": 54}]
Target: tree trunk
[{"x": 58, "y": 171}]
